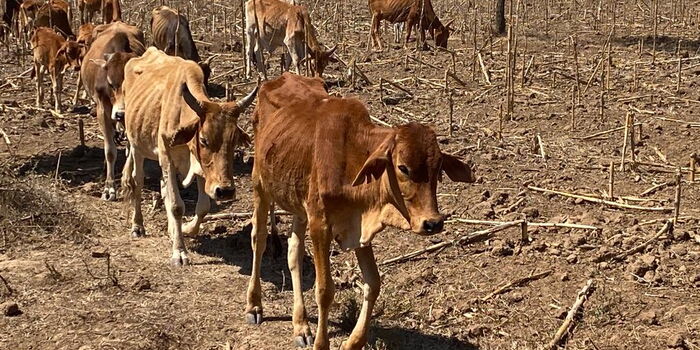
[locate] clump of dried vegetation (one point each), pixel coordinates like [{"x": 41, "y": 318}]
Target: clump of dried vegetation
[{"x": 32, "y": 212}]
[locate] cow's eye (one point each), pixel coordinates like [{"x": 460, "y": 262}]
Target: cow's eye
[
  {"x": 403, "y": 169},
  {"x": 204, "y": 141}
]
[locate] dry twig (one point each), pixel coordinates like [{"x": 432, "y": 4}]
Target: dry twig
[{"x": 564, "y": 328}]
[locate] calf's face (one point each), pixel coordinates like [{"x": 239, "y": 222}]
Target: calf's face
[
  {"x": 411, "y": 164},
  {"x": 442, "y": 34},
  {"x": 113, "y": 65},
  {"x": 69, "y": 56}
]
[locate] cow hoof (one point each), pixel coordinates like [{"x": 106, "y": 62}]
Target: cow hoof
[
  {"x": 179, "y": 261},
  {"x": 254, "y": 318},
  {"x": 109, "y": 194},
  {"x": 137, "y": 232},
  {"x": 304, "y": 342}
]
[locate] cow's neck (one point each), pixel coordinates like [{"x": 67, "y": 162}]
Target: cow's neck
[{"x": 381, "y": 206}]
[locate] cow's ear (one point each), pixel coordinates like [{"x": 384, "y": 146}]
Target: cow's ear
[
  {"x": 457, "y": 170},
  {"x": 377, "y": 163}
]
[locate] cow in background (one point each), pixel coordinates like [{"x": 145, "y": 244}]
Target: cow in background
[
  {"x": 102, "y": 74},
  {"x": 413, "y": 12},
  {"x": 53, "y": 55},
  {"x": 171, "y": 33},
  {"x": 273, "y": 23}
]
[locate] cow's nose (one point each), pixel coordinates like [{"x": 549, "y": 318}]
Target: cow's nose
[
  {"x": 119, "y": 116},
  {"x": 225, "y": 193},
  {"x": 433, "y": 226}
]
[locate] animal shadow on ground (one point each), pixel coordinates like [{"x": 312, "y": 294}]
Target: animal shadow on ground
[{"x": 234, "y": 249}]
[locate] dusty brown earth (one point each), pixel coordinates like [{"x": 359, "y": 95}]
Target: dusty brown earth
[{"x": 81, "y": 282}]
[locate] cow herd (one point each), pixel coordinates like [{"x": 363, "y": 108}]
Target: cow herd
[{"x": 317, "y": 156}]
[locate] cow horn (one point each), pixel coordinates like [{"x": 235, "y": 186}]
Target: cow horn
[
  {"x": 331, "y": 51},
  {"x": 246, "y": 101},
  {"x": 208, "y": 60}
]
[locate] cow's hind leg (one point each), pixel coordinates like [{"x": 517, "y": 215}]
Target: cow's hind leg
[
  {"x": 57, "y": 86},
  {"x": 203, "y": 205},
  {"x": 258, "y": 241},
  {"x": 274, "y": 237},
  {"x": 78, "y": 85},
  {"x": 175, "y": 208},
  {"x": 295, "y": 259},
  {"x": 38, "y": 71},
  {"x": 368, "y": 266}
]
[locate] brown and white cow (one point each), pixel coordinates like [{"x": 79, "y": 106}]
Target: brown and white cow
[
  {"x": 412, "y": 12},
  {"x": 53, "y": 55},
  {"x": 170, "y": 118},
  {"x": 171, "y": 33},
  {"x": 345, "y": 179},
  {"x": 273, "y": 23},
  {"x": 102, "y": 74},
  {"x": 55, "y": 14}
]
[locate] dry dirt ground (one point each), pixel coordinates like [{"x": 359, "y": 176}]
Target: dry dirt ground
[{"x": 82, "y": 283}]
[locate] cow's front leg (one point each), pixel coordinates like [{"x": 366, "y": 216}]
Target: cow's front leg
[
  {"x": 57, "y": 86},
  {"x": 295, "y": 258},
  {"x": 368, "y": 266},
  {"x": 39, "y": 82},
  {"x": 132, "y": 185},
  {"x": 175, "y": 208},
  {"x": 78, "y": 84},
  {"x": 110, "y": 147},
  {"x": 258, "y": 241},
  {"x": 325, "y": 289},
  {"x": 203, "y": 205}
]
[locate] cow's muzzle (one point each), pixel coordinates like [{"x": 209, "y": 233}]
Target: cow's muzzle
[
  {"x": 432, "y": 226},
  {"x": 227, "y": 193}
]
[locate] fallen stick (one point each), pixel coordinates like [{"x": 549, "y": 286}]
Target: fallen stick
[
  {"x": 654, "y": 188},
  {"x": 483, "y": 69},
  {"x": 379, "y": 121},
  {"x": 668, "y": 228},
  {"x": 656, "y": 221},
  {"x": 603, "y": 133},
  {"x": 599, "y": 201},
  {"x": 473, "y": 237},
  {"x": 691, "y": 124},
  {"x": 512, "y": 206},
  {"x": 536, "y": 224},
  {"x": 516, "y": 283},
  {"x": 564, "y": 328},
  {"x": 382, "y": 80},
  {"x": 223, "y": 216}
]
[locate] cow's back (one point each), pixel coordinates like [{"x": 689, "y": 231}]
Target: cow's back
[
  {"x": 291, "y": 140},
  {"x": 287, "y": 89},
  {"x": 393, "y": 10},
  {"x": 165, "y": 33},
  {"x": 153, "y": 85}
]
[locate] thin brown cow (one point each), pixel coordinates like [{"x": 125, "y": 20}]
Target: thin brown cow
[
  {"x": 102, "y": 75},
  {"x": 171, "y": 33},
  {"x": 344, "y": 179},
  {"x": 169, "y": 118},
  {"x": 413, "y": 12}
]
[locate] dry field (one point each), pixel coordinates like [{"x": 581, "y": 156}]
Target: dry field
[{"x": 81, "y": 282}]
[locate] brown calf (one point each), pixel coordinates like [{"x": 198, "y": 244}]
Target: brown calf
[
  {"x": 345, "y": 179},
  {"x": 52, "y": 55},
  {"x": 169, "y": 118},
  {"x": 412, "y": 12},
  {"x": 273, "y": 23},
  {"x": 84, "y": 40},
  {"x": 171, "y": 33},
  {"x": 103, "y": 74}
]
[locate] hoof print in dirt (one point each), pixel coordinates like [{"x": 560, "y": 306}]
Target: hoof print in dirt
[
  {"x": 142, "y": 284},
  {"x": 10, "y": 309}
]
